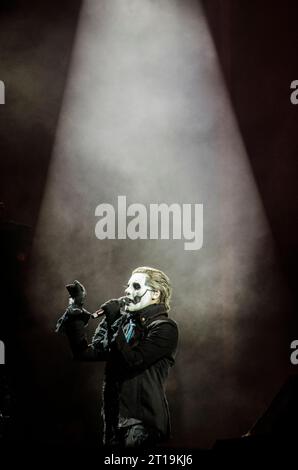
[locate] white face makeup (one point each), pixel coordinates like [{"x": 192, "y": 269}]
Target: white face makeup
[{"x": 139, "y": 292}]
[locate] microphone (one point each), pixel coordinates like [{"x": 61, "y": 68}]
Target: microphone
[{"x": 100, "y": 312}]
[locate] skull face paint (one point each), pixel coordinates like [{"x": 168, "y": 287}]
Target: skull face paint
[{"x": 140, "y": 294}]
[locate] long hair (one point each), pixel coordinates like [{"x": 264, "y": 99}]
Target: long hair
[{"x": 158, "y": 281}]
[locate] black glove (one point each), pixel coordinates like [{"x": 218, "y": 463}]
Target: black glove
[
  {"x": 77, "y": 293},
  {"x": 75, "y": 316},
  {"x": 112, "y": 310}
]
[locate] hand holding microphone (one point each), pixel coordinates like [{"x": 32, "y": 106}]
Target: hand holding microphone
[
  {"x": 76, "y": 313},
  {"x": 111, "y": 309},
  {"x": 77, "y": 295}
]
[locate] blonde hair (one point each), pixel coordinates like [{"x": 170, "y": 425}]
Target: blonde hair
[{"x": 158, "y": 281}]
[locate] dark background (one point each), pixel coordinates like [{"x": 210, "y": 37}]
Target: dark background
[{"x": 257, "y": 47}]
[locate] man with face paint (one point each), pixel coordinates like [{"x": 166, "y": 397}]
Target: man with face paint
[{"x": 138, "y": 341}]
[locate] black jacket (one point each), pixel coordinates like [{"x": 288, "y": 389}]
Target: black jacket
[{"x": 135, "y": 372}]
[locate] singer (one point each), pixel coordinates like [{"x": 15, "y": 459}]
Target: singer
[{"x": 138, "y": 341}]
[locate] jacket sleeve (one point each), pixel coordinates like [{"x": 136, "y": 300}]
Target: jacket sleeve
[
  {"x": 160, "y": 342},
  {"x": 98, "y": 350}
]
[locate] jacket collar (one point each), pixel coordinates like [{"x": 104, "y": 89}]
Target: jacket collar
[{"x": 147, "y": 314}]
